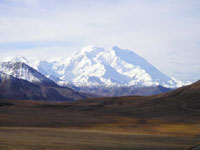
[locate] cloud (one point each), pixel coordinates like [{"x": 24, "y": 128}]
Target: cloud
[{"x": 160, "y": 30}]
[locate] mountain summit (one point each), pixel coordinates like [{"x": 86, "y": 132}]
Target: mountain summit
[
  {"x": 21, "y": 70},
  {"x": 16, "y": 59}
]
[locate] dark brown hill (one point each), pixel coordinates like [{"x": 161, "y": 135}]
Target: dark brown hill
[
  {"x": 190, "y": 91},
  {"x": 18, "y": 89}
]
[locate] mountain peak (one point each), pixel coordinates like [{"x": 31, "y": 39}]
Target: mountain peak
[
  {"x": 21, "y": 70},
  {"x": 16, "y": 59},
  {"x": 115, "y": 47},
  {"x": 91, "y": 48}
]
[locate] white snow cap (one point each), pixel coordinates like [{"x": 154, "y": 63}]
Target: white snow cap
[
  {"x": 16, "y": 59},
  {"x": 98, "y": 66}
]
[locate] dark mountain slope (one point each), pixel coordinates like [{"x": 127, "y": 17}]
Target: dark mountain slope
[
  {"x": 188, "y": 95},
  {"x": 190, "y": 91},
  {"x": 18, "y": 89},
  {"x": 13, "y": 88}
]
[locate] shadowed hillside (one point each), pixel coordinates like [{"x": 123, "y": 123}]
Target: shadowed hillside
[
  {"x": 174, "y": 106},
  {"x": 19, "y": 89}
]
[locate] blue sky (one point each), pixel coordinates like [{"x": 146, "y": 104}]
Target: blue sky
[{"x": 165, "y": 32}]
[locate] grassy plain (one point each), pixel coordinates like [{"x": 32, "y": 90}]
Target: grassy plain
[
  {"x": 118, "y": 123},
  {"x": 23, "y": 138}
]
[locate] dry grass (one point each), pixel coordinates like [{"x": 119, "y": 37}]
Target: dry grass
[
  {"x": 73, "y": 139},
  {"x": 144, "y": 126},
  {"x": 124, "y": 123}
]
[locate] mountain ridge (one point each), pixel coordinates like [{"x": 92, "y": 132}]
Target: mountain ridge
[
  {"x": 23, "y": 71},
  {"x": 21, "y": 82},
  {"x": 93, "y": 66}
]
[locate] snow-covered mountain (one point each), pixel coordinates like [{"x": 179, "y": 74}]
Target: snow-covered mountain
[
  {"x": 21, "y": 70},
  {"x": 93, "y": 66}
]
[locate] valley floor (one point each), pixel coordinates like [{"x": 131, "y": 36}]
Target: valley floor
[
  {"x": 124, "y": 123},
  {"x": 24, "y": 138}
]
